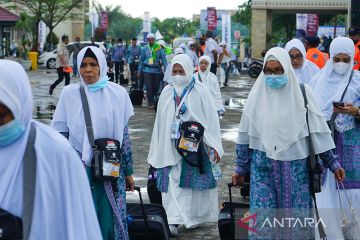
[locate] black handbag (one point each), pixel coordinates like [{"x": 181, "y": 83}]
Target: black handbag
[
  {"x": 106, "y": 162},
  {"x": 190, "y": 144},
  {"x": 10, "y": 226},
  {"x": 107, "y": 159}
]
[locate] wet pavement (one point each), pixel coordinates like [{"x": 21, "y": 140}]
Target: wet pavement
[{"x": 141, "y": 125}]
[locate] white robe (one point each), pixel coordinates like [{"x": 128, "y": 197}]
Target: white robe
[
  {"x": 187, "y": 206},
  {"x": 328, "y": 87},
  {"x": 184, "y": 205},
  {"x": 212, "y": 84},
  {"x": 63, "y": 205},
  {"x": 329, "y": 206},
  {"x": 110, "y": 109},
  {"x": 308, "y": 70}
]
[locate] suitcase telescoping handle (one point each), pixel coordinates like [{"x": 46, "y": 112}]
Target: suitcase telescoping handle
[
  {"x": 138, "y": 189},
  {"x": 231, "y": 185}
]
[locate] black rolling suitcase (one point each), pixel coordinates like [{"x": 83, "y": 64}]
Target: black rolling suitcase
[
  {"x": 136, "y": 96},
  {"x": 148, "y": 221},
  {"x": 227, "y": 219}
]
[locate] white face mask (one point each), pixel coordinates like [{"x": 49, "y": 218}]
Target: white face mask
[
  {"x": 341, "y": 67},
  {"x": 180, "y": 82}
]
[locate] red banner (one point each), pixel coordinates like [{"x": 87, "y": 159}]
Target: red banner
[
  {"x": 312, "y": 24},
  {"x": 211, "y": 18},
  {"x": 104, "y": 20}
]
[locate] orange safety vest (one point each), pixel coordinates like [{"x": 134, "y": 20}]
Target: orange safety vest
[
  {"x": 316, "y": 56},
  {"x": 357, "y": 57}
]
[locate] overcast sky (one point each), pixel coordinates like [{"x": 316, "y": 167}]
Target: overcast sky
[{"x": 170, "y": 8}]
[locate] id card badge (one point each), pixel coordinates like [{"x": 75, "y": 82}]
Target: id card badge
[
  {"x": 175, "y": 133},
  {"x": 188, "y": 145},
  {"x": 111, "y": 169},
  {"x": 151, "y": 61}
]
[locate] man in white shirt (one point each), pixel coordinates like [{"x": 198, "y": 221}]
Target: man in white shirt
[{"x": 213, "y": 50}]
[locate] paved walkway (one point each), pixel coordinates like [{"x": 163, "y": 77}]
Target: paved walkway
[{"x": 141, "y": 126}]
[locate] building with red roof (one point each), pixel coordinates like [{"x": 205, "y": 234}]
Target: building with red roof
[{"x": 7, "y": 23}]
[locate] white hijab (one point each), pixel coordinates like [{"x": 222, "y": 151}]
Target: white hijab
[
  {"x": 307, "y": 71},
  {"x": 110, "y": 109},
  {"x": 162, "y": 148},
  {"x": 205, "y": 74},
  {"x": 274, "y": 119},
  {"x": 328, "y": 86},
  {"x": 210, "y": 81},
  {"x": 62, "y": 191},
  {"x": 182, "y": 59}
]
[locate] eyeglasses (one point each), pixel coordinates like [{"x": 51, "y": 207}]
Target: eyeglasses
[
  {"x": 297, "y": 56},
  {"x": 277, "y": 71}
]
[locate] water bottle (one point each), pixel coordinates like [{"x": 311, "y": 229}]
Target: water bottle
[{"x": 215, "y": 167}]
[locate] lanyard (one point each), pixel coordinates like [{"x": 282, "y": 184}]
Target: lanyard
[{"x": 178, "y": 108}]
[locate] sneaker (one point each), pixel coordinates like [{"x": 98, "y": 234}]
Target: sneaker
[{"x": 173, "y": 230}]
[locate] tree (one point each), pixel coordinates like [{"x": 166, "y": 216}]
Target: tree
[
  {"x": 52, "y": 40},
  {"x": 243, "y": 15},
  {"x": 129, "y": 27},
  {"x": 26, "y": 24},
  {"x": 175, "y": 27},
  {"x": 283, "y": 27},
  {"x": 52, "y": 12},
  {"x": 33, "y": 10},
  {"x": 56, "y": 11}
]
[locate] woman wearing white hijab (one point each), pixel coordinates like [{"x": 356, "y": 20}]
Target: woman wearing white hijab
[
  {"x": 110, "y": 109},
  {"x": 189, "y": 198},
  {"x": 272, "y": 139},
  {"x": 167, "y": 75},
  {"x": 210, "y": 82},
  {"x": 63, "y": 208},
  {"x": 329, "y": 85},
  {"x": 304, "y": 69}
]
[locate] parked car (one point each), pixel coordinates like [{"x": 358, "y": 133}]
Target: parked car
[{"x": 48, "y": 59}]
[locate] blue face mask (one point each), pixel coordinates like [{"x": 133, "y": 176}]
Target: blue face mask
[
  {"x": 276, "y": 81},
  {"x": 98, "y": 85},
  {"x": 10, "y": 132}
]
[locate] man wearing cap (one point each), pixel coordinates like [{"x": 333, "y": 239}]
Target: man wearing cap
[
  {"x": 354, "y": 34},
  {"x": 132, "y": 57},
  {"x": 152, "y": 58},
  {"x": 313, "y": 54},
  {"x": 62, "y": 62}
]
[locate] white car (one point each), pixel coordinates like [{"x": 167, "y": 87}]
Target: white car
[{"x": 48, "y": 59}]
